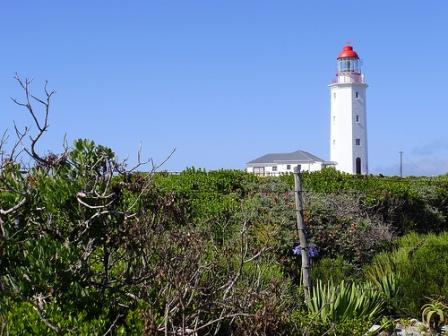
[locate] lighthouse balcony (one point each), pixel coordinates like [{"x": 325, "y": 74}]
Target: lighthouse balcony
[{"x": 348, "y": 78}]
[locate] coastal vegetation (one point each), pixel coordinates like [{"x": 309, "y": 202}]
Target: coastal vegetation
[
  {"x": 91, "y": 250},
  {"x": 90, "y": 246}
]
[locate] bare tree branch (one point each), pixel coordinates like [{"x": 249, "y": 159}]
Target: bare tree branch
[
  {"x": 112, "y": 326},
  {"x": 42, "y": 127},
  {"x": 14, "y": 208}
]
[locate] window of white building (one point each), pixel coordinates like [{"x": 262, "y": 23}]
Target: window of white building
[
  {"x": 259, "y": 170},
  {"x": 274, "y": 168}
]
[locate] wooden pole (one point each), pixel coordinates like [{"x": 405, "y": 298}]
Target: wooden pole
[
  {"x": 401, "y": 164},
  {"x": 302, "y": 234}
]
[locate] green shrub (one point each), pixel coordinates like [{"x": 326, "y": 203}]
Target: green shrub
[
  {"x": 420, "y": 265},
  {"x": 303, "y": 324},
  {"x": 22, "y": 318},
  {"x": 339, "y": 226},
  {"x": 333, "y": 270},
  {"x": 408, "y": 204}
]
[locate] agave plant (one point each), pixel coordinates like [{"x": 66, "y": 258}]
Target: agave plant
[
  {"x": 345, "y": 301},
  {"x": 435, "y": 313}
]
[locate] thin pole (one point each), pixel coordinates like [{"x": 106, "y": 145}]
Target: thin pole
[
  {"x": 306, "y": 277},
  {"x": 401, "y": 164}
]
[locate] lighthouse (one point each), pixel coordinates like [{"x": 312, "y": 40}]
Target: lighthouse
[{"x": 348, "y": 135}]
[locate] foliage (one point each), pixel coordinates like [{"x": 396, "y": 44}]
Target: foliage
[
  {"x": 88, "y": 237},
  {"x": 387, "y": 325},
  {"x": 407, "y": 204},
  {"x": 338, "y": 225},
  {"x": 304, "y": 324},
  {"x": 19, "y": 318},
  {"x": 384, "y": 276},
  {"x": 420, "y": 265},
  {"x": 390, "y": 291},
  {"x": 383, "y": 265},
  {"x": 345, "y": 301},
  {"x": 93, "y": 244},
  {"x": 333, "y": 270},
  {"x": 435, "y": 313}
]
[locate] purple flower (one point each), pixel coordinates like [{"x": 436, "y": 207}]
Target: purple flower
[
  {"x": 313, "y": 252},
  {"x": 297, "y": 250}
]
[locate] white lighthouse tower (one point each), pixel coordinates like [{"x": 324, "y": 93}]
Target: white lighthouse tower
[{"x": 348, "y": 136}]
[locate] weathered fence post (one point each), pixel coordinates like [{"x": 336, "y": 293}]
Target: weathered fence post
[{"x": 302, "y": 234}]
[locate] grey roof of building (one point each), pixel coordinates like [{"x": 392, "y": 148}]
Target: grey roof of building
[{"x": 298, "y": 157}]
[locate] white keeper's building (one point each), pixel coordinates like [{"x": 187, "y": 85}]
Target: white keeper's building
[{"x": 275, "y": 164}]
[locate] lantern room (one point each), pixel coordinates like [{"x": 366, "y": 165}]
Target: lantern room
[{"x": 348, "y": 61}]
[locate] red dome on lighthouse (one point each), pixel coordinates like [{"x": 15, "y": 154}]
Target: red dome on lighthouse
[{"x": 348, "y": 52}]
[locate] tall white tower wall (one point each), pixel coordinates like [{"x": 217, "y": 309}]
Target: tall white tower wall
[{"x": 348, "y": 131}]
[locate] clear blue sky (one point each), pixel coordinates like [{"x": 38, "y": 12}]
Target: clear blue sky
[{"x": 224, "y": 82}]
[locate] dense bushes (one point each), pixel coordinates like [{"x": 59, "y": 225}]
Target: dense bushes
[
  {"x": 86, "y": 245},
  {"x": 420, "y": 265},
  {"x": 101, "y": 249},
  {"x": 407, "y": 204},
  {"x": 307, "y": 325},
  {"x": 339, "y": 225},
  {"x": 22, "y": 318}
]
